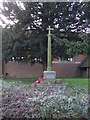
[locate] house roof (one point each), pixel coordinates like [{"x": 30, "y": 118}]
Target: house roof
[
  {"x": 85, "y": 62},
  {"x": 79, "y": 58}
]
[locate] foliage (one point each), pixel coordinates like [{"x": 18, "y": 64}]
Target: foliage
[
  {"x": 73, "y": 48},
  {"x": 27, "y": 38},
  {"x": 86, "y": 41},
  {"x": 43, "y": 101}
]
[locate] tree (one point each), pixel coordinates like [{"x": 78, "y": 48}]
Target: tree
[
  {"x": 28, "y": 37},
  {"x": 73, "y": 48}
]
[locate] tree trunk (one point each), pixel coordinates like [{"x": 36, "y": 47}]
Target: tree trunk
[
  {"x": 44, "y": 63},
  {"x": 44, "y": 66}
]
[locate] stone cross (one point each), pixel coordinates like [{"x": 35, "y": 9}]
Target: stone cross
[{"x": 49, "y": 61}]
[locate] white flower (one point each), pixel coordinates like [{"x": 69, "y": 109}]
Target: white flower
[{"x": 70, "y": 100}]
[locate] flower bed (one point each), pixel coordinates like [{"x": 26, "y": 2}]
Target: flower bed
[{"x": 43, "y": 101}]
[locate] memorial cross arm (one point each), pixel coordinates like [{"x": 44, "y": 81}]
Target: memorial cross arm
[{"x": 49, "y": 30}]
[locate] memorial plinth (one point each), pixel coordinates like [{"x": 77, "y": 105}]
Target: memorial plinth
[{"x": 49, "y": 74}]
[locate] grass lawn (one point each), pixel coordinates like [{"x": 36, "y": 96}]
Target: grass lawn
[
  {"x": 82, "y": 82},
  {"x": 24, "y": 80}
]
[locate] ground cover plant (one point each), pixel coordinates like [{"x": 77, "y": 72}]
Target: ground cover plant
[
  {"x": 24, "y": 80},
  {"x": 45, "y": 100},
  {"x": 71, "y": 82}
]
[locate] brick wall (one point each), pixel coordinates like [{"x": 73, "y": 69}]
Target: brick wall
[
  {"x": 26, "y": 70},
  {"x": 22, "y": 70},
  {"x": 67, "y": 69}
]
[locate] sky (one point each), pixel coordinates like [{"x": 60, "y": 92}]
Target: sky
[{"x": 3, "y": 18}]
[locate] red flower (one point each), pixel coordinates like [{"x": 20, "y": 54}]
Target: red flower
[
  {"x": 44, "y": 78},
  {"x": 35, "y": 83},
  {"x": 39, "y": 79}
]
